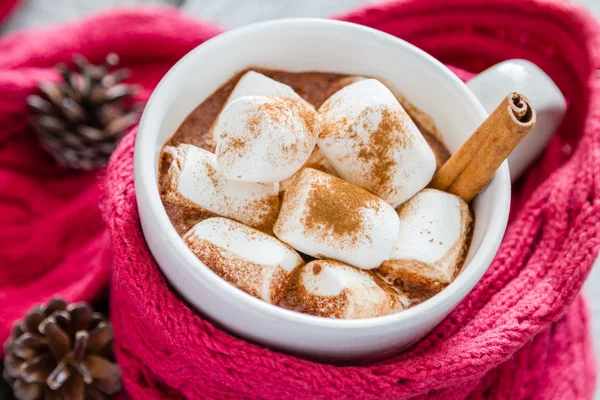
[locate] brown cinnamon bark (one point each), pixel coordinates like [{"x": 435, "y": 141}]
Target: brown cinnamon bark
[{"x": 469, "y": 170}]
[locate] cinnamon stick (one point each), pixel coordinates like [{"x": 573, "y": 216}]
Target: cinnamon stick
[{"x": 470, "y": 169}]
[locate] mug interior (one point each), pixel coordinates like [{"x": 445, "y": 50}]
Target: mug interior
[{"x": 302, "y": 45}]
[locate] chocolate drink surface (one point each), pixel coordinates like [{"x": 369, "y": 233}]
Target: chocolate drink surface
[{"x": 315, "y": 88}]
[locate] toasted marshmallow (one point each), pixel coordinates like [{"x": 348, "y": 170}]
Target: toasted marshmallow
[
  {"x": 333, "y": 289},
  {"x": 372, "y": 142},
  {"x": 316, "y": 160},
  {"x": 250, "y": 260},
  {"x": 256, "y": 84},
  {"x": 432, "y": 243},
  {"x": 326, "y": 217},
  {"x": 193, "y": 177},
  {"x": 265, "y": 139}
]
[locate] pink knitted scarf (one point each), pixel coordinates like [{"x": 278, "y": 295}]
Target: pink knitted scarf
[{"x": 521, "y": 333}]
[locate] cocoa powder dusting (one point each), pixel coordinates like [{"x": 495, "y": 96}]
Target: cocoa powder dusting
[
  {"x": 254, "y": 124},
  {"x": 184, "y": 214},
  {"x": 277, "y": 107},
  {"x": 235, "y": 143},
  {"x": 335, "y": 208},
  {"x": 308, "y": 116},
  {"x": 272, "y": 204},
  {"x": 334, "y": 128},
  {"x": 243, "y": 274},
  {"x": 212, "y": 175},
  {"x": 423, "y": 122},
  {"x": 378, "y": 151},
  {"x": 273, "y": 109}
]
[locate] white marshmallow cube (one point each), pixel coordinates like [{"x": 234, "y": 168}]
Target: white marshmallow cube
[
  {"x": 326, "y": 217},
  {"x": 265, "y": 139},
  {"x": 251, "y": 260},
  {"x": 193, "y": 178},
  {"x": 254, "y": 83},
  {"x": 432, "y": 243},
  {"x": 328, "y": 288},
  {"x": 339, "y": 84},
  {"x": 371, "y": 142}
]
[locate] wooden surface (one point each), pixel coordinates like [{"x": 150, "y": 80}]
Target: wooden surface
[{"x": 232, "y": 13}]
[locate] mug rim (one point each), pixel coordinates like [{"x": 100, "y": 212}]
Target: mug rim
[{"x": 154, "y": 216}]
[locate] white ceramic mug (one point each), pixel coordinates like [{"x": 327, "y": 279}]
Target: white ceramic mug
[{"x": 312, "y": 45}]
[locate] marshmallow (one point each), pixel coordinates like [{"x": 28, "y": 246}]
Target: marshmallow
[
  {"x": 251, "y": 260},
  {"x": 333, "y": 289},
  {"x": 253, "y": 83},
  {"x": 316, "y": 161},
  {"x": 265, "y": 139},
  {"x": 326, "y": 217},
  {"x": 339, "y": 84},
  {"x": 193, "y": 178},
  {"x": 432, "y": 243},
  {"x": 372, "y": 142}
]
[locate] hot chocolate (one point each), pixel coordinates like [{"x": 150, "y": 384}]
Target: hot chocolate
[
  {"x": 316, "y": 163},
  {"x": 315, "y": 88}
]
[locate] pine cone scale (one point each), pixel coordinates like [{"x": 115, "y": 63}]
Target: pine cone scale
[
  {"x": 28, "y": 345},
  {"x": 81, "y": 316},
  {"x": 116, "y": 77},
  {"x": 122, "y": 123},
  {"x": 100, "y": 367},
  {"x": 80, "y": 347},
  {"x": 91, "y": 133},
  {"x": 74, "y": 388},
  {"x": 38, "y": 369},
  {"x": 39, "y": 105},
  {"x": 110, "y": 385},
  {"x": 33, "y": 320},
  {"x": 52, "y": 92},
  {"x": 58, "y": 340},
  {"x": 73, "y": 110},
  {"x": 12, "y": 365},
  {"x": 100, "y": 338},
  {"x": 118, "y": 93},
  {"x": 59, "y": 375},
  {"x": 27, "y": 391},
  {"x": 63, "y": 319},
  {"x": 51, "y": 124}
]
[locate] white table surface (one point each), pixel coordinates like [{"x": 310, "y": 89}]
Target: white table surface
[{"x": 232, "y": 13}]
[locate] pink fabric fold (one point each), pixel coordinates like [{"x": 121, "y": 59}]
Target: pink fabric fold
[
  {"x": 6, "y": 8},
  {"x": 523, "y": 331}
]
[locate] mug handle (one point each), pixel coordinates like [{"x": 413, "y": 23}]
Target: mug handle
[{"x": 522, "y": 76}]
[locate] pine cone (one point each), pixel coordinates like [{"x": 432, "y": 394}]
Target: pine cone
[
  {"x": 81, "y": 119},
  {"x": 61, "y": 352}
]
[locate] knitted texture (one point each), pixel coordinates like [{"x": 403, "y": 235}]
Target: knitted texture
[
  {"x": 53, "y": 240},
  {"x": 520, "y": 334}
]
